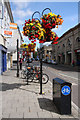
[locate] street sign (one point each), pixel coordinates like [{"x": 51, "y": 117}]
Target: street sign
[
  {"x": 65, "y": 90},
  {"x": 1, "y": 11}
]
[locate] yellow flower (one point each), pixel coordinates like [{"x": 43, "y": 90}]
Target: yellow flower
[
  {"x": 31, "y": 23},
  {"x": 39, "y": 24},
  {"x": 27, "y": 31},
  {"x": 37, "y": 20},
  {"x": 27, "y": 24},
  {"x": 44, "y": 30},
  {"x": 50, "y": 14},
  {"x": 57, "y": 26},
  {"x": 26, "y": 47}
]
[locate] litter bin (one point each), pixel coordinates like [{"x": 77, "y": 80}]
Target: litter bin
[{"x": 62, "y": 95}]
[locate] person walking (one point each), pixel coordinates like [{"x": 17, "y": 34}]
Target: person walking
[
  {"x": 20, "y": 64},
  {"x": 73, "y": 63}
]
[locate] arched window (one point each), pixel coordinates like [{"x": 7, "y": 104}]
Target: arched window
[
  {"x": 63, "y": 45},
  {"x": 78, "y": 39},
  {"x": 69, "y": 42}
]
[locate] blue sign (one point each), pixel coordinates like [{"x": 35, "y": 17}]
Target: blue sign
[{"x": 66, "y": 90}]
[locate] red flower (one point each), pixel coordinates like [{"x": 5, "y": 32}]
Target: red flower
[
  {"x": 33, "y": 27},
  {"x": 36, "y": 36},
  {"x": 29, "y": 38},
  {"x": 34, "y": 40},
  {"x": 56, "y": 39},
  {"x": 51, "y": 38},
  {"x": 41, "y": 41},
  {"x": 55, "y": 43},
  {"x": 53, "y": 24}
]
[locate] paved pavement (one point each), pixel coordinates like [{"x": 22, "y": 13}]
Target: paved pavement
[
  {"x": 24, "y": 101},
  {"x": 67, "y": 73}
]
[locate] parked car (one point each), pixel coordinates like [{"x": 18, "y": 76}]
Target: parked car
[
  {"x": 29, "y": 61},
  {"x": 36, "y": 59},
  {"x": 48, "y": 61},
  {"x": 54, "y": 62},
  {"x": 32, "y": 59}
]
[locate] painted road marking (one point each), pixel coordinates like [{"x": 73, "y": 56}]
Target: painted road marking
[
  {"x": 68, "y": 76},
  {"x": 74, "y": 84}
]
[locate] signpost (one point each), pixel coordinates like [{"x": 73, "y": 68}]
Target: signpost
[{"x": 65, "y": 90}]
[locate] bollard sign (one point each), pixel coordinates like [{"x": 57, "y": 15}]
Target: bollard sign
[{"x": 65, "y": 90}]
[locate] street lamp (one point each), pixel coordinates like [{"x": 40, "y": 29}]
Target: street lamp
[{"x": 41, "y": 29}]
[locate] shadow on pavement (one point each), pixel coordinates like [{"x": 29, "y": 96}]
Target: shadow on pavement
[
  {"x": 6, "y": 86},
  {"x": 29, "y": 91},
  {"x": 63, "y": 67},
  {"x": 48, "y": 105}
]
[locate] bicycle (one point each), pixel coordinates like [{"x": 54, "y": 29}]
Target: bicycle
[
  {"x": 33, "y": 73},
  {"x": 36, "y": 76},
  {"x": 27, "y": 73}
]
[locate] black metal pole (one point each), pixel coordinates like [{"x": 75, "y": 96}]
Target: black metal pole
[
  {"x": 17, "y": 59},
  {"x": 40, "y": 71},
  {"x": 27, "y": 71}
]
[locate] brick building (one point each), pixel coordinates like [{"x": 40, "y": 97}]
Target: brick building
[{"x": 68, "y": 47}]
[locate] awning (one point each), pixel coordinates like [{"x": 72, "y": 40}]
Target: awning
[{"x": 77, "y": 51}]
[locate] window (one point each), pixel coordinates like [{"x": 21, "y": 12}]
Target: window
[
  {"x": 69, "y": 42},
  {"x": 63, "y": 45},
  {"x": 78, "y": 39}
]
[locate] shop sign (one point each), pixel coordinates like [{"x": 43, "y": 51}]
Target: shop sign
[
  {"x": 77, "y": 51},
  {"x": 7, "y": 33},
  {"x": 13, "y": 26},
  {"x": 69, "y": 52}
]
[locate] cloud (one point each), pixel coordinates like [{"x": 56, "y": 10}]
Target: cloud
[
  {"x": 21, "y": 13},
  {"x": 71, "y": 18},
  {"x": 20, "y": 5},
  {"x": 47, "y": 43},
  {"x": 20, "y": 22}
]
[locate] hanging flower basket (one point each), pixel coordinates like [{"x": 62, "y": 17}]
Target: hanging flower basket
[
  {"x": 50, "y": 20},
  {"x": 41, "y": 31},
  {"x": 33, "y": 30},
  {"x": 31, "y": 47}
]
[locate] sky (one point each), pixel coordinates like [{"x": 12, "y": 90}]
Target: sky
[{"x": 68, "y": 10}]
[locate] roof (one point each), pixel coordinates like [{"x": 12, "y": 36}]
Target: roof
[
  {"x": 78, "y": 25},
  {"x": 9, "y": 10}
]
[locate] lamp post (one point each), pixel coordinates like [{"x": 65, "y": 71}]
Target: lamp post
[
  {"x": 41, "y": 54},
  {"x": 17, "y": 58}
]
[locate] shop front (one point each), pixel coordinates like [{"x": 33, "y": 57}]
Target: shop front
[
  {"x": 63, "y": 58},
  {"x": 59, "y": 58},
  {"x": 77, "y": 53},
  {"x": 3, "y": 63},
  {"x": 69, "y": 53}
]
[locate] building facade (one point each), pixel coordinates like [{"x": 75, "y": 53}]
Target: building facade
[
  {"x": 47, "y": 52},
  {"x": 68, "y": 47},
  {"x": 8, "y": 38},
  {"x": 4, "y": 25}
]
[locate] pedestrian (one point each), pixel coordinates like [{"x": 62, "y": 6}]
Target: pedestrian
[
  {"x": 73, "y": 63},
  {"x": 20, "y": 64}
]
